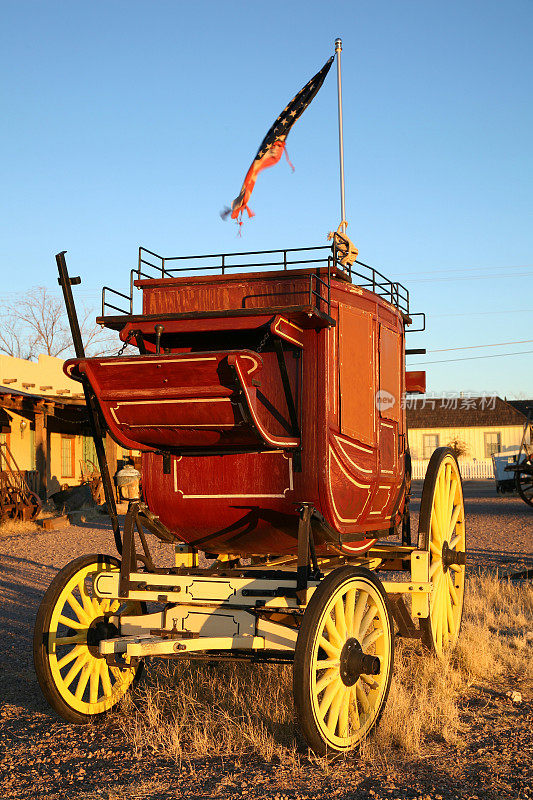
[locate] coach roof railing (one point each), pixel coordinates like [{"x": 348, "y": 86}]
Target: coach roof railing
[{"x": 153, "y": 266}]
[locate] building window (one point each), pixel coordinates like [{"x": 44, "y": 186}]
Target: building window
[
  {"x": 89, "y": 452},
  {"x": 430, "y": 443},
  {"x": 493, "y": 443},
  {"x": 67, "y": 456}
]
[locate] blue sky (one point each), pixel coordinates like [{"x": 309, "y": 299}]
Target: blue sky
[{"x": 129, "y": 122}]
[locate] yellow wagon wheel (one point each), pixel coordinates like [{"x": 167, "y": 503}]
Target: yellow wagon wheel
[
  {"x": 76, "y": 680},
  {"x": 343, "y": 660},
  {"x": 441, "y": 531}
]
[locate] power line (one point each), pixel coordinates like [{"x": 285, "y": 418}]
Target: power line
[
  {"x": 484, "y": 313},
  {"x": 468, "y": 269},
  {"x": 469, "y": 358},
  {"x": 470, "y": 277},
  {"x": 475, "y": 346}
]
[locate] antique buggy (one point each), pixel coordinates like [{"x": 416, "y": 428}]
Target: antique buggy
[
  {"x": 265, "y": 393},
  {"x": 513, "y": 471}
]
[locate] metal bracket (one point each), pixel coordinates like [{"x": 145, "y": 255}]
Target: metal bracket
[
  {"x": 402, "y": 617},
  {"x": 289, "y": 399},
  {"x": 418, "y": 330},
  {"x": 293, "y": 416},
  {"x": 420, "y": 574},
  {"x": 135, "y": 518},
  {"x": 307, "y": 565}
]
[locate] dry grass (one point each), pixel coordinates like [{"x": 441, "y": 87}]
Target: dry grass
[
  {"x": 16, "y": 527},
  {"x": 497, "y": 631},
  {"x": 210, "y": 709},
  {"x": 186, "y": 710},
  {"x": 422, "y": 704}
]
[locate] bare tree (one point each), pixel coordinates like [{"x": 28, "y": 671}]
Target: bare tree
[
  {"x": 37, "y": 323},
  {"x": 459, "y": 447}
]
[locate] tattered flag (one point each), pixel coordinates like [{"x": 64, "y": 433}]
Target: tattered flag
[{"x": 273, "y": 145}]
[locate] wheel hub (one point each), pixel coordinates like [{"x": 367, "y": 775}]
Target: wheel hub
[
  {"x": 100, "y": 628},
  {"x": 354, "y": 663},
  {"x": 451, "y": 558},
  {"x": 445, "y": 557}
]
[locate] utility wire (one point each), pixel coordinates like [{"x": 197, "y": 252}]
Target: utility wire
[
  {"x": 475, "y": 346},
  {"x": 484, "y": 313},
  {"x": 469, "y": 358},
  {"x": 468, "y": 269},
  {"x": 470, "y": 277}
]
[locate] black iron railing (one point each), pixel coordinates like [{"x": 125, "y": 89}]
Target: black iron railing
[{"x": 150, "y": 265}]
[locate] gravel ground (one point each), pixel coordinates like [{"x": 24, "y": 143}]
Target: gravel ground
[{"x": 42, "y": 757}]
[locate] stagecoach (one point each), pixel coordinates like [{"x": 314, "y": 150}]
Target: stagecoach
[{"x": 265, "y": 393}]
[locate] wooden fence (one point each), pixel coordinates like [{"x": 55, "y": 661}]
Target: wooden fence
[
  {"x": 32, "y": 479},
  {"x": 480, "y": 469}
]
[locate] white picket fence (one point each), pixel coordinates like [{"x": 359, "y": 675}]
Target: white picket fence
[{"x": 480, "y": 469}]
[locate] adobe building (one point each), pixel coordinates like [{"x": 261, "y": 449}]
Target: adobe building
[{"x": 44, "y": 421}]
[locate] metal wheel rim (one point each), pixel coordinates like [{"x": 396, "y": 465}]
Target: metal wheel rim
[
  {"x": 344, "y": 715},
  {"x": 524, "y": 486}
]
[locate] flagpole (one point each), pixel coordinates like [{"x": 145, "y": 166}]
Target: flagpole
[{"x": 338, "y": 49}]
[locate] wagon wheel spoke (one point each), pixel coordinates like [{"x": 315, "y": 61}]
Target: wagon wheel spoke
[
  {"x": 327, "y": 663},
  {"x": 349, "y": 610},
  {"x": 76, "y": 639},
  {"x": 71, "y": 623},
  {"x": 371, "y": 682},
  {"x": 340, "y": 620},
  {"x": 436, "y": 566},
  {"x": 80, "y": 612},
  {"x": 436, "y": 537},
  {"x": 329, "y": 695},
  {"x": 66, "y": 659},
  {"x": 454, "y": 541},
  {"x": 449, "y": 612},
  {"x": 330, "y": 676},
  {"x": 453, "y": 523},
  {"x": 371, "y": 638},
  {"x": 334, "y": 636},
  {"x": 102, "y": 605},
  {"x": 452, "y": 507},
  {"x": 332, "y": 720},
  {"x": 453, "y": 591},
  {"x": 94, "y": 681},
  {"x": 358, "y": 612},
  {"x": 82, "y": 683},
  {"x": 80, "y": 662},
  {"x": 104, "y": 677},
  {"x": 330, "y": 648},
  {"x": 370, "y": 614},
  {"x": 362, "y": 698},
  {"x": 354, "y": 710},
  {"x": 344, "y": 714}
]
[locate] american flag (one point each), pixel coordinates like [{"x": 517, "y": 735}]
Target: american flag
[{"x": 273, "y": 145}]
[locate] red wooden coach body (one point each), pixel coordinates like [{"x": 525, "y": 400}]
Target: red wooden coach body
[{"x": 254, "y": 392}]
